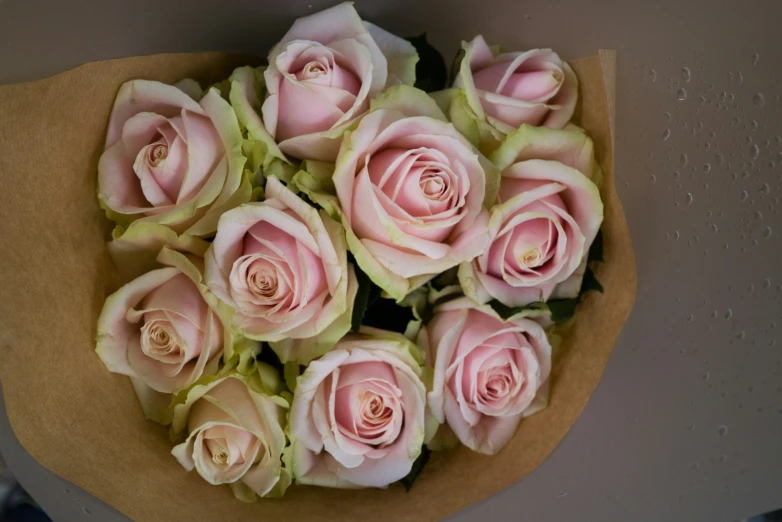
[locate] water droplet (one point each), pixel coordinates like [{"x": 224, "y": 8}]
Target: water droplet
[
  {"x": 686, "y": 75},
  {"x": 741, "y": 335},
  {"x": 653, "y": 178},
  {"x": 562, "y": 494},
  {"x": 744, "y": 195},
  {"x": 667, "y": 116},
  {"x": 772, "y": 342},
  {"x": 754, "y": 151},
  {"x": 707, "y": 168},
  {"x": 728, "y": 313},
  {"x": 723, "y": 96},
  {"x": 759, "y": 100},
  {"x": 767, "y": 232},
  {"x": 755, "y": 58},
  {"x": 688, "y": 198},
  {"x": 681, "y": 95},
  {"x": 676, "y": 234},
  {"x": 86, "y": 511},
  {"x": 765, "y": 189},
  {"x": 690, "y": 318},
  {"x": 66, "y": 490},
  {"x": 722, "y": 429},
  {"x": 714, "y": 230},
  {"x": 666, "y": 134},
  {"x": 722, "y": 458},
  {"x": 740, "y": 77},
  {"x": 758, "y": 214},
  {"x": 766, "y": 284},
  {"x": 683, "y": 159},
  {"x": 705, "y": 376},
  {"x": 695, "y": 466},
  {"x": 691, "y": 426},
  {"x": 652, "y": 75},
  {"x": 676, "y": 175}
]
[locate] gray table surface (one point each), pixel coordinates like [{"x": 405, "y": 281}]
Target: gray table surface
[{"x": 686, "y": 423}]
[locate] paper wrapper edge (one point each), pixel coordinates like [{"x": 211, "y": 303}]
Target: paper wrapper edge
[{"x": 85, "y": 425}]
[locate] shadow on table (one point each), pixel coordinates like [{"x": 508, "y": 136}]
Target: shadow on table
[
  {"x": 773, "y": 516},
  {"x": 15, "y": 504}
]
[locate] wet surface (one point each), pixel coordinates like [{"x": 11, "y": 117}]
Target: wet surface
[{"x": 686, "y": 423}]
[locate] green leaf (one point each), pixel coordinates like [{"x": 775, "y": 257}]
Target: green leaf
[
  {"x": 455, "y": 66},
  {"x": 268, "y": 356},
  {"x": 418, "y": 466},
  {"x": 505, "y": 311},
  {"x": 367, "y": 293},
  {"x": 596, "y": 250},
  {"x": 562, "y": 309},
  {"x": 447, "y": 278},
  {"x": 430, "y": 73},
  {"x": 590, "y": 283}
]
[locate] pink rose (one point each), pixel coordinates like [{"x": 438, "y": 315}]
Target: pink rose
[
  {"x": 162, "y": 330},
  {"x": 549, "y": 213},
  {"x": 323, "y": 73},
  {"x": 234, "y": 436},
  {"x": 412, "y": 192},
  {"x": 282, "y": 267},
  {"x": 488, "y": 374},
  {"x": 170, "y": 159},
  {"x": 357, "y": 418},
  {"x": 496, "y": 92}
]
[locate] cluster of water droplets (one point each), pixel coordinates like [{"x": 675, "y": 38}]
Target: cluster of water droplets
[{"x": 716, "y": 175}]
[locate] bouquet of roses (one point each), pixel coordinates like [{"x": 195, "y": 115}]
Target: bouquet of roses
[{"x": 335, "y": 265}]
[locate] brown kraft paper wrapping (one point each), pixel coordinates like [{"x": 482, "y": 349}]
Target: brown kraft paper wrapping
[{"x": 85, "y": 424}]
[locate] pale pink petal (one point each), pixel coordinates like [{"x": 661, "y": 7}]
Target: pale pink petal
[
  {"x": 114, "y": 331},
  {"x": 489, "y": 79},
  {"x": 141, "y": 130},
  {"x": 138, "y": 96},
  {"x": 204, "y": 151},
  {"x": 533, "y": 85},
  {"x": 118, "y": 184},
  {"x": 180, "y": 295}
]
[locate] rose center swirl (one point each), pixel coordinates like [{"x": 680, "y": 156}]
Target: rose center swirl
[
  {"x": 262, "y": 281},
  {"x": 434, "y": 184},
  {"x": 220, "y": 452},
  {"x": 159, "y": 343},
  {"x": 157, "y": 154},
  {"x": 374, "y": 410},
  {"x": 313, "y": 70}
]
